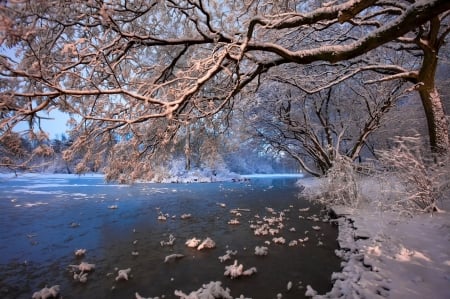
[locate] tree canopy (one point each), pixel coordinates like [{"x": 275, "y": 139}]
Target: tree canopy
[{"x": 137, "y": 73}]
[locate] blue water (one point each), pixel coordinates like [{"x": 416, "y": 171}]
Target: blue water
[{"x": 45, "y": 218}]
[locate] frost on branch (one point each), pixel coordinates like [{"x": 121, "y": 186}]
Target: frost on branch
[{"x": 424, "y": 177}]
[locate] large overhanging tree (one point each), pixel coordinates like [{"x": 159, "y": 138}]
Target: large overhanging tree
[{"x": 138, "y": 71}]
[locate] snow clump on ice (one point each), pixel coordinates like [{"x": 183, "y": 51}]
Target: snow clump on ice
[
  {"x": 46, "y": 292},
  {"x": 227, "y": 255},
  {"x": 236, "y": 270},
  {"x": 207, "y": 243},
  {"x": 261, "y": 250},
  {"x": 193, "y": 243},
  {"x": 123, "y": 274},
  {"x": 211, "y": 290}
]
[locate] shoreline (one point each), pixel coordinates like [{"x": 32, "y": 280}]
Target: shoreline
[{"x": 387, "y": 255}]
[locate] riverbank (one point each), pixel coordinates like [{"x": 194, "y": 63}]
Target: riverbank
[{"x": 386, "y": 254}]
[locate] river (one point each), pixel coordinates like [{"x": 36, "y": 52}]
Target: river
[{"x": 45, "y": 218}]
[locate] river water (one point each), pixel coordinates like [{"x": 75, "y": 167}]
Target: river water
[{"x": 45, "y": 218}]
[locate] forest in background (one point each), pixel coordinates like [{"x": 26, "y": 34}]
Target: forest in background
[{"x": 256, "y": 86}]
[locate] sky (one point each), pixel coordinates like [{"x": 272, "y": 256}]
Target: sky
[{"x": 55, "y": 126}]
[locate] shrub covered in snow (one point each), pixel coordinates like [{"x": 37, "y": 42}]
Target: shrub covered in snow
[{"x": 423, "y": 175}]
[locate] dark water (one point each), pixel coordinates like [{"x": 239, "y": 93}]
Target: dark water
[{"x": 44, "y": 219}]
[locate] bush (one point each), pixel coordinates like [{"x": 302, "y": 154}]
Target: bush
[
  {"x": 339, "y": 186},
  {"x": 424, "y": 176}
]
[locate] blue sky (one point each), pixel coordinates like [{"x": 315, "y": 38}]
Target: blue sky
[{"x": 55, "y": 126}]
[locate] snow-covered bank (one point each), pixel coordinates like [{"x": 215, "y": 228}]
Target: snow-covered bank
[
  {"x": 194, "y": 176},
  {"x": 386, "y": 254},
  {"x": 273, "y": 175}
]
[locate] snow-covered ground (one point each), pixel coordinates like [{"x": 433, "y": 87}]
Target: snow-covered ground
[{"x": 386, "y": 254}]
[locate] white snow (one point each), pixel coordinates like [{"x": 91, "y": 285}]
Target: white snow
[
  {"x": 123, "y": 274},
  {"x": 227, "y": 256},
  {"x": 235, "y": 270},
  {"x": 169, "y": 242},
  {"x": 46, "y": 292},
  {"x": 211, "y": 290},
  {"x": 83, "y": 267},
  {"x": 193, "y": 243},
  {"x": 207, "y": 243},
  {"x": 387, "y": 254},
  {"x": 261, "y": 250},
  {"x": 80, "y": 252},
  {"x": 173, "y": 257}
]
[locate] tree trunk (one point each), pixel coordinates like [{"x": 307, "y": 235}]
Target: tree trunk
[
  {"x": 432, "y": 103},
  {"x": 187, "y": 148}
]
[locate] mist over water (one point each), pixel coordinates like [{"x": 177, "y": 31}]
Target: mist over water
[{"x": 46, "y": 218}]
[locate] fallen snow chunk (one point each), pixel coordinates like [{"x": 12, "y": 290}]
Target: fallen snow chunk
[
  {"x": 113, "y": 207},
  {"x": 221, "y": 204},
  {"x": 242, "y": 297},
  {"x": 173, "y": 257},
  {"x": 273, "y": 231},
  {"x": 227, "y": 255},
  {"x": 81, "y": 277},
  {"x": 123, "y": 274},
  {"x": 236, "y": 270},
  {"x": 45, "y": 293},
  {"x": 305, "y": 239},
  {"x": 261, "y": 250},
  {"x": 207, "y": 291},
  {"x": 289, "y": 286},
  {"x": 292, "y": 229},
  {"x": 316, "y": 227},
  {"x": 249, "y": 271},
  {"x": 374, "y": 250},
  {"x": 134, "y": 253},
  {"x": 310, "y": 292},
  {"x": 293, "y": 243},
  {"x": 192, "y": 243},
  {"x": 207, "y": 243},
  {"x": 185, "y": 216},
  {"x": 279, "y": 240},
  {"x": 234, "y": 222},
  {"x": 80, "y": 252},
  {"x": 162, "y": 217},
  {"x": 270, "y": 210},
  {"x": 140, "y": 297},
  {"x": 304, "y": 209},
  {"x": 83, "y": 267},
  {"x": 168, "y": 243},
  {"x": 279, "y": 296}
]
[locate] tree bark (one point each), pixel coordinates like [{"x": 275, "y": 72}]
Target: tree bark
[{"x": 431, "y": 100}]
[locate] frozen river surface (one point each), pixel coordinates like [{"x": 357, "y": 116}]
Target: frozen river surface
[{"x": 45, "y": 218}]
